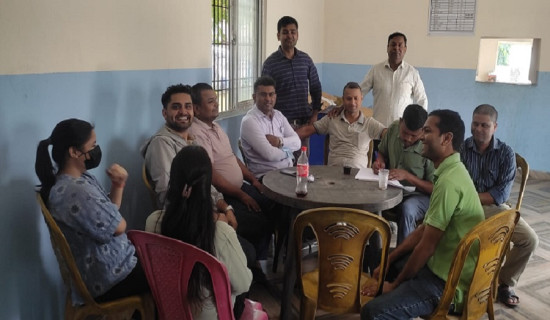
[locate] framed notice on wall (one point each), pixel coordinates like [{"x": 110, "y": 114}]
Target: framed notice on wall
[{"x": 452, "y": 17}]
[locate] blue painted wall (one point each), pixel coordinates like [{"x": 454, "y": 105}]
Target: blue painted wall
[
  {"x": 125, "y": 107},
  {"x": 524, "y": 111}
]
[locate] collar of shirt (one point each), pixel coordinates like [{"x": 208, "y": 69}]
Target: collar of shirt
[
  {"x": 401, "y": 66},
  {"x": 493, "y": 145},
  {"x": 416, "y": 147},
  {"x": 205, "y": 127},
  {"x": 361, "y": 119},
  {"x": 282, "y": 54},
  {"x": 446, "y": 163}
]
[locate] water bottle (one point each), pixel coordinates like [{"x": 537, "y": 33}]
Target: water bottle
[{"x": 302, "y": 173}]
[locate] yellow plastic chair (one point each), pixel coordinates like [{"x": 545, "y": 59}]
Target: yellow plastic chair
[
  {"x": 493, "y": 236},
  {"x": 121, "y": 308},
  {"x": 149, "y": 185},
  {"x": 522, "y": 164},
  {"x": 342, "y": 235}
]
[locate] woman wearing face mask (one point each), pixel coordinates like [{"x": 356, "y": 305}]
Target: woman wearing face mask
[{"x": 86, "y": 214}]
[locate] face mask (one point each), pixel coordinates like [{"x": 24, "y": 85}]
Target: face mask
[{"x": 94, "y": 158}]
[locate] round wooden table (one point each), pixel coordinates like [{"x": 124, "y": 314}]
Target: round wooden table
[{"x": 331, "y": 188}]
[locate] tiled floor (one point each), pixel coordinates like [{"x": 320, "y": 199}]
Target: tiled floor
[{"x": 533, "y": 288}]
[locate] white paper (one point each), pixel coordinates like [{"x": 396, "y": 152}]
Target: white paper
[{"x": 366, "y": 174}]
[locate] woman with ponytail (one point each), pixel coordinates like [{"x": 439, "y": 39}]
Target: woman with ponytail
[
  {"x": 86, "y": 214},
  {"x": 189, "y": 216}
]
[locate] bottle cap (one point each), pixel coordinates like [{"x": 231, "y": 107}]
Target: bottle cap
[{"x": 304, "y": 148}]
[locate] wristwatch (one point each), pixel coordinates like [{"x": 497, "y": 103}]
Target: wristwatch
[{"x": 229, "y": 207}]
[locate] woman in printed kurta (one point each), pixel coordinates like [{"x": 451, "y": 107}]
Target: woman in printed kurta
[{"x": 86, "y": 214}]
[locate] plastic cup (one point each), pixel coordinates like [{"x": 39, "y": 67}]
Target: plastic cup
[{"x": 383, "y": 175}]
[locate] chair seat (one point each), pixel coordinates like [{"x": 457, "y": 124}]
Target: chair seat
[{"x": 310, "y": 282}]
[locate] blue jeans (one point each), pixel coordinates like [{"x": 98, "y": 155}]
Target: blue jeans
[
  {"x": 411, "y": 209},
  {"x": 413, "y": 298}
]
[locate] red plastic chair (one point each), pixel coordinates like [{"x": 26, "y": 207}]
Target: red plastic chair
[{"x": 168, "y": 264}]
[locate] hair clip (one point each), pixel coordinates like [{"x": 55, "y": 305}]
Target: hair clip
[{"x": 186, "y": 191}]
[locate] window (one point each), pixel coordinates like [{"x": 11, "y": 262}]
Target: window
[
  {"x": 508, "y": 60},
  {"x": 235, "y": 51}
]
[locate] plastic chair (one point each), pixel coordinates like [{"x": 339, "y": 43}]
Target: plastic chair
[
  {"x": 522, "y": 164},
  {"x": 73, "y": 281},
  {"x": 245, "y": 161},
  {"x": 168, "y": 264},
  {"x": 493, "y": 236},
  {"x": 342, "y": 235},
  {"x": 149, "y": 185}
]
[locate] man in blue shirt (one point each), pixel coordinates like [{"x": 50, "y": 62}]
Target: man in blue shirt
[
  {"x": 295, "y": 75},
  {"x": 492, "y": 166}
]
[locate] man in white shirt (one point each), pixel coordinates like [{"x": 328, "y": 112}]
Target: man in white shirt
[
  {"x": 395, "y": 84},
  {"x": 267, "y": 138}
]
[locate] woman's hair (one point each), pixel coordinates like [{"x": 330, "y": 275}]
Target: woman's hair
[
  {"x": 67, "y": 133},
  {"x": 188, "y": 211}
]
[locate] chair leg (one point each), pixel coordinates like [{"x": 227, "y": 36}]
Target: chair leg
[
  {"x": 308, "y": 309},
  {"x": 281, "y": 235},
  {"x": 279, "y": 242}
]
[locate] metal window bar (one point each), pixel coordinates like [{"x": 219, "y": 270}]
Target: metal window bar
[
  {"x": 235, "y": 50},
  {"x": 221, "y": 51}
]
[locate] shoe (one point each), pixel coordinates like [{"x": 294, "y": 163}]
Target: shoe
[
  {"x": 507, "y": 296},
  {"x": 258, "y": 276}
]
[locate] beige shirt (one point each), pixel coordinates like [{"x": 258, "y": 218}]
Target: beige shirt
[{"x": 349, "y": 141}]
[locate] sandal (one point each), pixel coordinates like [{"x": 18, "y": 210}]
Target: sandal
[{"x": 507, "y": 296}]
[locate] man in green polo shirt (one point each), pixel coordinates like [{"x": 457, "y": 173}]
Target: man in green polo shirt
[
  {"x": 400, "y": 150},
  {"x": 454, "y": 209}
]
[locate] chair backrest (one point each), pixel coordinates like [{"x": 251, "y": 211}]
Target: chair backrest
[
  {"x": 245, "y": 160},
  {"x": 168, "y": 264},
  {"x": 67, "y": 265},
  {"x": 493, "y": 236},
  {"x": 522, "y": 164},
  {"x": 149, "y": 185},
  {"x": 342, "y": 235}
]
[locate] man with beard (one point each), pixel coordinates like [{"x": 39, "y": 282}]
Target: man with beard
[{"x": 162, "y": 147}]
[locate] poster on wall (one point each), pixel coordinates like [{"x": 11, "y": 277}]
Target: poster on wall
[{"x": 452, "y": 17}]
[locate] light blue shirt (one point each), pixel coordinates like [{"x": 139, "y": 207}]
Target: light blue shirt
[{"x": 88, "y": 219}]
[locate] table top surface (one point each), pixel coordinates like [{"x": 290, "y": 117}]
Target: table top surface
[{"x": 331, "y": 188}]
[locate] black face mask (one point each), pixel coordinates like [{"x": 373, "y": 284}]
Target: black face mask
[{"x": 95, "y": 158}]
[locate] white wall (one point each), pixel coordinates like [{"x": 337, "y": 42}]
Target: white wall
[
  {"x": 310, "y": 16},
  {"x": 356, "y": 31},
  {"x": 100, "y": 35}
]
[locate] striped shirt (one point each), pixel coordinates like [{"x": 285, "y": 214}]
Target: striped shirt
[
  {"x": 294, "y": 79},
  {"x": 492, "y": 171}
]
